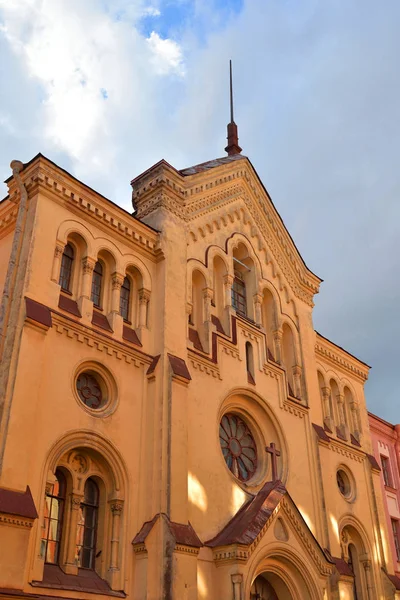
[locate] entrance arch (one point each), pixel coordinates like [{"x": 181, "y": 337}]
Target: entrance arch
[
  {"x": 282, "y": 575},
  {"x": 263, "y": 588}
]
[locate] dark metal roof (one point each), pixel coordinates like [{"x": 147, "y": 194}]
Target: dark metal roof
[
  {"x": 18, "y": 503},
  {"x": 210, "y": 164}
]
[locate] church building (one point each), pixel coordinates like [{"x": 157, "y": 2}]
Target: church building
[{"x": 172, "y": 427}]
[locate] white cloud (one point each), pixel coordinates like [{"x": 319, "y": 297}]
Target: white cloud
[{"x": 167, "y": 55}]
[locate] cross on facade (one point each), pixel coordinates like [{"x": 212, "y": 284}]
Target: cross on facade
[{"x": 274, "y": 452}]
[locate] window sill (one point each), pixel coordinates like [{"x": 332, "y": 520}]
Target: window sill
[
  {"x": 390, "y": 488},
  {"x": 86, "y": 581}
]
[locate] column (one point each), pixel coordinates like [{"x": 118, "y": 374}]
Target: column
[
  {"x": 87, "y": 273},
  {"x": 344, "y": 430},
  {"x": 278, "y": 345},
  {"x": 207, "y": 297},
  {"x": 114, "y": 318},
  {"x": 84, "y": 303},
  {"x": 228, "y": 282},
  {"x": 116, "y": 507},
  {"x": 70, "y": 565},
  {"x": 354, "y": 419},
  {"x": 144, "y": 298},
  {"x": 368, "y": 576},
  {"x": 257, "y": 308},
  {"x": 116, "y": 283},
  {"x": 326, "y": 395},
  {"x": 237, "y": 581},
  {"x": 297, "y": 381},
  {"x": 58, "y": 252}
]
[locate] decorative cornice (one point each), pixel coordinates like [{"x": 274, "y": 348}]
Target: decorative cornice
[
  {"x": 305, "y": 536},
  {"x": 295, "y": 408},
  {"x": 186, "y": 549},
  {"x": 15, "y": 521},
  {"x": 8, "y": 216},
  {"x": 103, "y": 344},
  {"x": 204, "y": 366},
  {"x": 45, "y": 177},
  {"x": 338, "y": 358}
]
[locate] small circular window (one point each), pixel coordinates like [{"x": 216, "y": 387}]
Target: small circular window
[
  {"x": 238, "y": 446},
  {"x": 345, "y": 484},
  {"x": 91, "y": 389}
]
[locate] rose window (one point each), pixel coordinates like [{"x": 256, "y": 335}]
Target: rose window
[
  {"x": 238, "y": 447},
  {"x": 89, "y": 390}
]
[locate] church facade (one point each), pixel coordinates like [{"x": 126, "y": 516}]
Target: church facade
[{"x": 171, "y": 424}]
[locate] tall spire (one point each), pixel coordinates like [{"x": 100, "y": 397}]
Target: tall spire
[{"x": 233, "y": 139}]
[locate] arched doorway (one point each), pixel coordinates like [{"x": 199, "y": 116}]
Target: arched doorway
[{"x": 263, "y": 588}]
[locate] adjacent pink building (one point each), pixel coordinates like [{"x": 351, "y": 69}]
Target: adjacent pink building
[{"x": 386, "y": 448}]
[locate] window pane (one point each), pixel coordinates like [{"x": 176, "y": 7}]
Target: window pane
[
  {"x": 87, "y": 526},
  {"x": 124, "y": 299},
  {"x": 54, "y": 506},
  {"x": 96, "y": 284},
  {"x": 66, "y": 268}
]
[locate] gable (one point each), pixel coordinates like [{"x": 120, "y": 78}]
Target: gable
[
  {"x": 211, "y": 197},
  {"x": 270, "y": 510}
]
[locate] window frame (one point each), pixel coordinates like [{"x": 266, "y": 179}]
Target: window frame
[
  {"x": 84, "y": 506},
  {"x": 65, "y": 258},
  {"x": 93, "y": 294},
  {"x": 396, "y": 537},
  {"x": 60, "y": 499},
  {"x": 239, "y": 298},
  {"x": 126, "y": 314}
]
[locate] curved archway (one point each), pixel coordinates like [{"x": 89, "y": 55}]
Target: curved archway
[{"x": 287, "y": 577}]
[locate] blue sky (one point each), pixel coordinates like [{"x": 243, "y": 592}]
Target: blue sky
[{"x": 106, "y": 88}]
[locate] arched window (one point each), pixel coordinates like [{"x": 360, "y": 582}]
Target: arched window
[
  {"x": 66, "y": 268},
  {"x": 239, "y": 294},
  {"x": 53, "y": 519},
  {"x": 250, "y": 363},
  {"x": 289, "y": 359},
  {"x": 97, "y": 281},
  {"x": 124, "y": 300},
  {"x": 87, "y": 526}
]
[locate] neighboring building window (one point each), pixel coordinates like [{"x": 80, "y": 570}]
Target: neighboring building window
[
  {"x": 386, "y": 471},
  {"x": 87, "y": 526},
  {"x": 124, "y": 299},
  {"x": 53, "y": 519},
  {"x": 96, "y": 284},
  {"x": 395, "y": 529},
  {"x": 239, "y": 294},
  {"x": 66, "y": 268},
  {"x": 238, "y": 446}
]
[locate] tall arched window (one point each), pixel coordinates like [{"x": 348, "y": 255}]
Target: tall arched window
[
  {"x": 97, "y": 281},
  {"x": 66, "y": 268},
  {"x": 87, "y": 526},
  {"x": 53, "y": 519},
  {"x": 124, "y": 300}
]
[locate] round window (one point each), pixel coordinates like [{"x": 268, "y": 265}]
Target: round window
[
  {"x": 238, "y": 446},
  {"x": 343, "y": 483},
  {"x": 91, "y": 389}
]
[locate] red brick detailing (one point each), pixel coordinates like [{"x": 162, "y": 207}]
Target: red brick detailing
[
  {"x": 68, "y": 305},
  {"x": 320, "y": 431},
  {"x": 87, "y": 580},
  {"x": 129, "y": 335},
  {"x": 100, "y": 320},
  {"x": 195, "y": 339},
  {"x": 215, "y": 321},
  {"x": 18, "y": 503},
  {"x": 153, "y": 365},
  {"x": 179, "y": 367},
  {"x": 38, "y": 312},
  {"x": 373, "y": 462}
]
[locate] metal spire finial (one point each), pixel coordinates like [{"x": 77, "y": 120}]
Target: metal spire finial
[{"x": 233, "y": 139}]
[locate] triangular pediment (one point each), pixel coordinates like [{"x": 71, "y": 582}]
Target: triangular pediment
[
  {"x": 271, "y": 510},
  {"x": 215, "y": 194}
]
